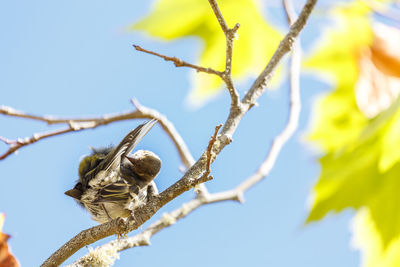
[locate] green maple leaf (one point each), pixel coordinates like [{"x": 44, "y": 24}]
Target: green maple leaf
[
  {"x": 255, "y": 44},
  {"x": 354, "y": 176}
]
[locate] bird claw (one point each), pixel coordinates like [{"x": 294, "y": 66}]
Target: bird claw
[{"x": 121, "y": 236}]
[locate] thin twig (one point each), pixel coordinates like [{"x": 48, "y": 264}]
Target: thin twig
[
  {"x": 229, "y": 36},
  {"x": 14, "y": 145},
  {"x": 219, "y": 16},
  {"x": 111, "y": 249},
  {"x": 291, "y": 18},
  {"x": 210, "y": 146},
  {"x": 206, "y": 175},
  {"x": 190, "y": 178},
  {"x": 9, "y": 111},
  {"x": 179, "y": 62},
  {"x": 7, "y": 141}
]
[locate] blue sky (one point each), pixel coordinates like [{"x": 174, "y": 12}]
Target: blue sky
[{"x": 75, "y": 58}]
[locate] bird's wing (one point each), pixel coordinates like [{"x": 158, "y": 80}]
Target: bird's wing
[
  {"x": 127, "y": 144},
  {"x": 115, "y": 192}
]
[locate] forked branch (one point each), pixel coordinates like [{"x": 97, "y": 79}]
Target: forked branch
[
  {"x": 109, "y": 252},
  {"x": 234, "y": 118}
]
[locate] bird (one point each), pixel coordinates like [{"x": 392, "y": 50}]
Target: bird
[{"x": 112, "y": 183}]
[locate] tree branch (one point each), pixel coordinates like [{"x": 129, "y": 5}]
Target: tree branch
[{"x": 109, "y": 252}]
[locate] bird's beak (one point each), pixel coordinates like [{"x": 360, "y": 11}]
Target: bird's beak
[
  {"x": 74, "y": 193},
  {"x": 131, "y": 159}
]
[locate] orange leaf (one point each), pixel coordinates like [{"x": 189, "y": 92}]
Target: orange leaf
[
  {"x": 6, "y": 258},
  {"x": 379, "y": 82}
]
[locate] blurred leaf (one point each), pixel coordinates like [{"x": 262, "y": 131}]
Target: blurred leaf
[
  {"x": 337, "y": 114},
  {"x": 379, "y": 80},
  {"x": 256, "y": 42},
  {"x": 351, "y": 177},
  {"x": 368, "y": 240},
  {"x": 358, "y": 127}
]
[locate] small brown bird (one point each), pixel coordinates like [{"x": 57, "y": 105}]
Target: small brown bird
[{"x": 113, "y": 183}]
